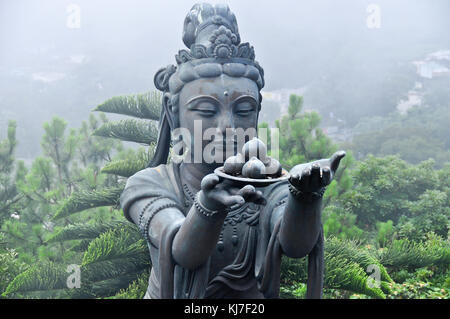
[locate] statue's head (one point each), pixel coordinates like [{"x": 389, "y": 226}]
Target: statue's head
[{"x": 217, "y": 82}]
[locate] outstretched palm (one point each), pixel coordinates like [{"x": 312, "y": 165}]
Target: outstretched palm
[{"x": 310, "y": 177}]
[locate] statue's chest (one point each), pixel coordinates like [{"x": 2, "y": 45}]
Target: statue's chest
[{"x": 233, "y": 238}]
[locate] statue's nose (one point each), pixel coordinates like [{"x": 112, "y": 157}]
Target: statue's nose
[{"x": 226, "y": 122}]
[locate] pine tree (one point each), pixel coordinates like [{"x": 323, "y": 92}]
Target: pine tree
[{"x": 111, "y": 255}]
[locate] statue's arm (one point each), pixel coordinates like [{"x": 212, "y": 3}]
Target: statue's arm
[
  {"x": 300, "y": 226},
  {"x": 194, "y": 241},
  {"x": 301, "y": 220}
]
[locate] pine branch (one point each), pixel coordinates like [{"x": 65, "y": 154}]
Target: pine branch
[
  {"x": 83, "y": 231},
  {"x": 340, "y": 273},
  {"x": 345, "y": 268},
  {"x": 354, "y": 252},
  {"x": 144, "y": 106},
  {"x": 81, "y": 246},
  {"x": 131, "y": 165},
  {"x": 119, "y": 243},
  {"x": 45, "y": 279},
  {"x": 136, "y": 290},
  {"x": 83, "y": 200},
  {"x": 107, "y": 287},
  {"x": 412, "y": 255},
  {"x": 112, "y": 261},
  {"x": 138, "y": 131}
]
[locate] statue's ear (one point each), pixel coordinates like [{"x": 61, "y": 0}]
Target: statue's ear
[{"x": 170, "y": 110}]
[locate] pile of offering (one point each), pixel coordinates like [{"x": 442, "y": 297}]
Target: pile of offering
[{"x": 253, "y": 162}]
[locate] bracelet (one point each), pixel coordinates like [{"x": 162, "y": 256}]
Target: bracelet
[
  {"x": 308, "y": 197},
  {"x": 141, "y": 214},
  {"x": 145, "y": 226},
  {"x": 203, "y": 210}
]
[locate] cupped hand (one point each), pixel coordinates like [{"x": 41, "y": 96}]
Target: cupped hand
[
  {"x": 218, "y": 194},
  {"x": 311, "y": 177}
]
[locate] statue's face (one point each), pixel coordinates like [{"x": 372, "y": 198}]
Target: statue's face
[{"x": 222, "y": 105}]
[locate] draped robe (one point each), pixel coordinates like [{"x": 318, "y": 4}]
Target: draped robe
[{"x": 249, "y": 268}]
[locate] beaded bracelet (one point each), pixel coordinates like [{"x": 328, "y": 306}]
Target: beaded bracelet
[
  {"x": 308, "y": 197},
  {"x": 148, "y": 217},
  {"x": 203, "y": 210},
  {"x": 141, "y": 214}
]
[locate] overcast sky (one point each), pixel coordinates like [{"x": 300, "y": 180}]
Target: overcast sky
[
  {"x": 284, "y": 33},
  {"x": 50, "y": 64}
]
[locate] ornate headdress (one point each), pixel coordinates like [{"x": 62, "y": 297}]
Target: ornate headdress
[{"x": 212, "y": 36}]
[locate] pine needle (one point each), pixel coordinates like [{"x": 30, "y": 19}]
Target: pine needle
[{"x": 144, "y": 106}]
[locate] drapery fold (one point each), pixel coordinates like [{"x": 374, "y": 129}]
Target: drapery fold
[{"x": 257, "y": 262}]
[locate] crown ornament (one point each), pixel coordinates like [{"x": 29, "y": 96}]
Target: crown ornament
[
  {"x": 223, "y": 45},
  {"x": 211, "y": 32},
  {"x": 214, "y": 45}
]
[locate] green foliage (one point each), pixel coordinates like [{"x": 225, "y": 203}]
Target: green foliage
[
  {"x": 424, "y": 283},
  {"x": 420, "y": 134},
  {"x": 301, "y": 140},
  {"x": 120, "y": 242},
  {"x": 46, "y": 278},
  {"x": 346, "y": 268},
  {"x": 112, "y": 261},
  {"x": 132, "y": 163},
  {"x": 82, "y": 200},
  {"x": 385, "y": 232},
  {"x": 67, "y": 180},
  {"x": 407, "y": 254},
  {"x": 389, "y": 188},
  {"x": 9, "y": 195},
  {"x": 338, "y": 222},
  {"x": 136, "y": 290},
  {"x": 10, "y": 267},
  {"x": 82, "y": 231},
  {"x": 138, "y": 131},
  {"x": 382, "y": 212},
  {"x": 144, "y": 106}
]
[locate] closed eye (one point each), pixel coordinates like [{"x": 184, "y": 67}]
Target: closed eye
[
  {"x": 205, "y": 107},
  {"x": 245, "y": 108}
]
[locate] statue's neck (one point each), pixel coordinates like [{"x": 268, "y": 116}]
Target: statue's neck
[{"x": 193, "y": 173}]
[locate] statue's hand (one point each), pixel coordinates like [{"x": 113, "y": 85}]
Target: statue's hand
[
  {"x": 217, "y": 194},
  {"x": 311, "y": 177}
]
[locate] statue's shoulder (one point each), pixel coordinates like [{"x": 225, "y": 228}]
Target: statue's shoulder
[{"x": 151, "y": 176}]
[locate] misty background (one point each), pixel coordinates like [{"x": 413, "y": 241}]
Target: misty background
[{"x": 325, "y": 50}]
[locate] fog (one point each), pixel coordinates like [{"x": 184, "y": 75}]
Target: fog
[{"x": 50, "y": 67}]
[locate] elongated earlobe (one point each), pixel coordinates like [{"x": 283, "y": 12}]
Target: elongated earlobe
[{"x": 170, "y": 110}]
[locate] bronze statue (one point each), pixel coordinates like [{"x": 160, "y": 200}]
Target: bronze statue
[{"x": 209, "y": 237}]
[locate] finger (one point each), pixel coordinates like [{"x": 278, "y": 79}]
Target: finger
[
  {"x": 255, "y": 197},
  {"x": 209, "y": 181},
  {"x": 326, "y": 176},
  {"x": 233, "y": 190},
  {"x": 295, "y": 179},
  {"x": 259, "y": 199},
  {"x": 306, "y": 175},
  {"x": 233, "y": 200},
  {"x": 315, "y": 180},
  {"x": 336, "y": 159},
  {"x": 247, "y": 191}
]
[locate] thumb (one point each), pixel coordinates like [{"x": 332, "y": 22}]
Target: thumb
[{"x": 336, "y": 159}]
